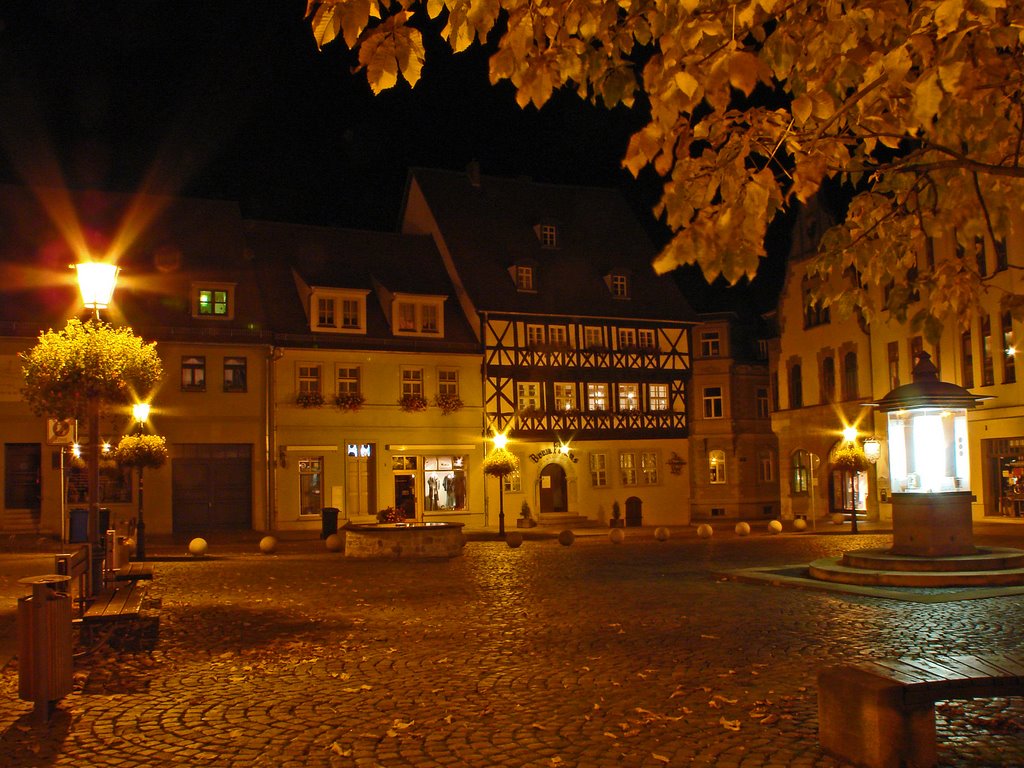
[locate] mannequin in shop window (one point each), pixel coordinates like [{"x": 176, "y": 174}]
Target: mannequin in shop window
[
  {"x": 449, "y": 491},
  {"x": 431, "y": 493}
]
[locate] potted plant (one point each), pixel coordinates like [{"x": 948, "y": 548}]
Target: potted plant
[
  {"x": 525, "y": 516},
  {"x": 447, "y": 402},
  {"x": 309, "y": 399},
  {"x": 390, "y": 515},
  {"x": 349, "y": 401},
  {"x": 616, "y": 521},
  {"x": 411, "y": 403}
]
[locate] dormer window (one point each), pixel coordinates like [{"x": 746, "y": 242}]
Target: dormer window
[
  {"x": 524, "y": 278},
  {"x": 548, "y": 236},
  {"x": 213, "y": 300},
  {"x": 618, "y": 284},
  {"x": 418, "y": 316},
  {"x": 333, "y": 310}
]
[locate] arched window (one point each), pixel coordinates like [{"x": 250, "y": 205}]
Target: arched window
[
  {"x": 828, "y": 379},
  {"x": 800, "y": 478},
  {"x": 850, "y": 389},
  {"x": 716, "y": 466},
  {"x": 796, "y": 387}
]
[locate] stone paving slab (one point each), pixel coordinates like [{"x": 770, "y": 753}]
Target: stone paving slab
[{"x": 591, "y": 655}]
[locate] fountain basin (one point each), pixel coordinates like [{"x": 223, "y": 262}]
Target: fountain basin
[{"x": 404, "y": 540}]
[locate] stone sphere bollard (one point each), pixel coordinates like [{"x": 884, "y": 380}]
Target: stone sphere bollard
[
  {"x": 661, "y": 533},
  {"x": 514, "y": 539},
  {"x": 197, "y": 547},
  {"x": 742, "y": 529},
  {"x": 566, "y": 538},
  {"x": 333, "y": 543},
  {"x": 704, "y": 531},
  {"x": 799, "y": 524},
  {"x": 838, "y": 518},
  {"x": 616, "y": 536},
  {"x": 268, "y": 545},
  {"x": 775, "y": 526}
]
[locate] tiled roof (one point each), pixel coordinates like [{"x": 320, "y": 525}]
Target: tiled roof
[{"x": 489, "y": 226}]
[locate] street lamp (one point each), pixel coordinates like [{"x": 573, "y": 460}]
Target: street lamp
[
  {"x": 96, "y": 282},
  {"x": 499, "y": 463},
  {"x": 140, "y": 412}
]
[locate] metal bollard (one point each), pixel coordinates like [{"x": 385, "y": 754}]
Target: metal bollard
[{"x": 44, "y": 643}]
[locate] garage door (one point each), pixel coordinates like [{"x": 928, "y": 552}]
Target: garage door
[{"x": 212, "y": 488}]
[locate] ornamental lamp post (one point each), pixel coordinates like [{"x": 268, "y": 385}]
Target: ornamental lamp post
[
  {"x": 499, "y": 463},
  {"x": 140, "y": 412},
  {"x": 929, "y": 467},
  {"x": 96, "y": 282}
]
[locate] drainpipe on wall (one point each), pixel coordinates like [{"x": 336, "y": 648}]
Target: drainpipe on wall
[{"x": 270, "y": 437}]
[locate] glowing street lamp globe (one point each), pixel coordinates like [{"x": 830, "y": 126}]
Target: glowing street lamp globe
[{"x": 96, "y": 282}]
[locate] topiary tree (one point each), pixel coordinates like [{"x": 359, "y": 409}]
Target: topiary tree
[{"x": 79, "y": 371}]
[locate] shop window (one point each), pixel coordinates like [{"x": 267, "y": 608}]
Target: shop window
[
  {"x": 444, "y": 483},
  {"x": 311, "y": 484}
]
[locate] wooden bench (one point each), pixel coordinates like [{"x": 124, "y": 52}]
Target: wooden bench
[
  {"x": 134, "y": 571},
  {"x": 881, "y": 713},
  {"x": 76, "y": 565}
]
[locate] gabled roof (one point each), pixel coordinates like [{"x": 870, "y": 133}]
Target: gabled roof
[
  {"x": 325, "y": 257},
  {"x": 162, "y": 244},
  {"x": 487, "y": 224}
]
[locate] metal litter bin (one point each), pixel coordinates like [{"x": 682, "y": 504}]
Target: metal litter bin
[
  {"x": 44, "y": 643},
  {"x": 329, "y": 521}
]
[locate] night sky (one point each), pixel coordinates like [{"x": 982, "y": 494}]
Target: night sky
[{"x": 233, "y": 101}]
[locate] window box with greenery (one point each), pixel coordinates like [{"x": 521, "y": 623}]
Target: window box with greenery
[
  {"x": 349, "y": 401},
  {"x": 448, "y": 402},
  {"x": 412, "y": 403},
  {"x": 309, "y": 399}
]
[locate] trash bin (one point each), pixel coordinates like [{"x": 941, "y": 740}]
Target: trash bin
[
  {"x": 44, "y": 642},
  {"x": 329, "y": 521}
]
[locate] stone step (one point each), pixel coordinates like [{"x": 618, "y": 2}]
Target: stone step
[
  {"x": 985, "y": 559},
  {"x": 831, "y": 569}
]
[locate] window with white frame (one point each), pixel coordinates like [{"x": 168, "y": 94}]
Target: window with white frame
[
  {"x": 710, "y": 344},
  {"x": 548, "y": 236},
  {"x": 193, "y": 373},
  {"x": 627, "y": 338},
  {"x": 512, "y": 482},
  {"x": 713, "y": 400},
  {"x": 765, "y": 467},
  {"x": 412, "y": 381},
  {"x": 352, "y": 314},
  {"x": 646, "y": 338},
  {"x": 629, "y": 397},
  {"x": 417, "y": 316},
  {"x": 627, "y": 468},
  {"x": 524, "y": 278},
  {"x": 593, "y": 337},
  {"x": 597, "y": 396},
  {"x": 534, "y": 335},
  {"x": 565, "y": 396},
  {"x": 716, "y": 466},
  {"x": 657, "y": 397},
  {"x": 448, "y": 381},
  {"x": 528, "y": 394},
  {"x": 599, "y": 470},
  {"x": 309, "y": 378},
  {"x": 348, "y": 379},
  {"x": 325, "y": 312},
  {"x": 618, "y": 284},
  {"x": 558, "y": 335},
  {"x": 649, "y": 467}
]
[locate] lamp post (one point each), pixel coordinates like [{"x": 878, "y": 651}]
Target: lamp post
[
  {"x": 929, "y": 467},
  {"x": 96, "y": 282},
  {"x": 140, "y": 412},
  {"x": 499, "y": 463}
]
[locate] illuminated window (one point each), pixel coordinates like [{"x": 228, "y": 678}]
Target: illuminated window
[
  {"x": 557, "y": 335},
  {"x": 193, "y": 374},
  {"x": 235, "y": 374},
  {"x": 619, "y": 286},
  {"x": 213, "y": 300},
  {"x": 646, "y": 338},
  {"x": 565, "y": 396},
  {"x": 988, "y": 376},
  {"x": 801, "y": 472},
  {"x": 512, "y": 482},
  {"x": 548, "y": 236},
  {"x": 629, "y": 397},
  {"x": 529, "y": 395},
  {"x": 406, "y": 316},
  {"x": 429, "y": 322},
  {"x": 417, "y": 317},
  {"x": 311, "y": 483},
  {"x": 713, "y": 403},
  {"x": 1009, "y": 350},
  {"x": 351, "y": 313},
  {"x": 337, "y": 311},
  {"x": 534, "y": 335},
  {"x": 627, "y": 338},
  {"x": 593, "y": 337},
  {"x": 597, "y": 396},
  {"x": 716, "y": 467},
  {"x": 627, "y": 468},
  {"x": 657, "y": 397},
  {"x": 599, "y": 470},
  {"x": 649, "y": 467}
]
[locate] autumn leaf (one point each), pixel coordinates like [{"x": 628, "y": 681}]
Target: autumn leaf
[{"x": 732, "y": 725}]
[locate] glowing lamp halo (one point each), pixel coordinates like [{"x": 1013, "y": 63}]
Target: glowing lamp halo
[{"x": 96, "y": 282}]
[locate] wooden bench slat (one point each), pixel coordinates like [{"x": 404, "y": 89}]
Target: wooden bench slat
[
  {"x": 1006, "y": 664},
  {"x": 123, "y": 602},
  {"x": 909, "y": 671},
  {"x": 985, "y": 667},
  {"x": 885, "y": 671}
]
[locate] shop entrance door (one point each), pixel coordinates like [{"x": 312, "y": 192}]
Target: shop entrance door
[
  {"x": 552, "y": 490},
  {"x": 405, "y": 495}
]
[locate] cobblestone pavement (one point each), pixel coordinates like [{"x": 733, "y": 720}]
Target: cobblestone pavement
[{"x": 591, "y": 655}]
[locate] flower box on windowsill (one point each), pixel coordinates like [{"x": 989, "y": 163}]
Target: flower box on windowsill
[
  {"x": 448, "y": 403},
  {"x": 349, "y": 401},
  {"x": 309, "y": 399},
  {"x": 412, "y": 403}
]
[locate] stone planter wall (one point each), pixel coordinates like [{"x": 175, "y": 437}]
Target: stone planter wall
[{"x": 404, "y": 540}]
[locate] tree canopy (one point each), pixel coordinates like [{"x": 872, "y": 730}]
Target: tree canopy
[
  {"x": 89, "y": 360},
  {"x": 914, "y": 105}
]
